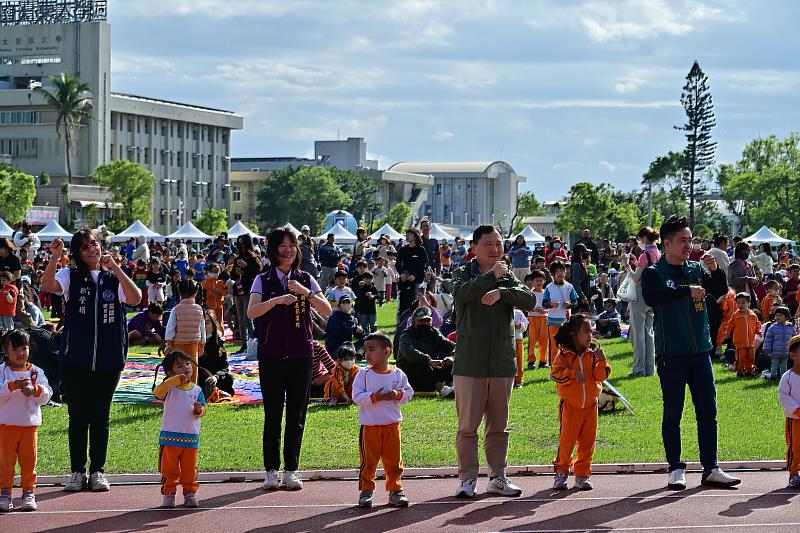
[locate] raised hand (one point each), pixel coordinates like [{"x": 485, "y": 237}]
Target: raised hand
[{"x": 500, "y": 269}]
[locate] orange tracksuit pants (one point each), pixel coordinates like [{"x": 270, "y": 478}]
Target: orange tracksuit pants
[
  {"x": 538, "y": 335},
  {"x": 380, "y": 443},
  {"x": 178, "y": 465},
  {"x": 577, "y": 426},
  {"x": 191, "y": 349},
  {"x": 551, "y": 354},
  {"x": 793, "y": 445},
  {"x": 745, "y": 360},
  {"x": 18, "y": 444},
  {"x": 520, "y": 368}
]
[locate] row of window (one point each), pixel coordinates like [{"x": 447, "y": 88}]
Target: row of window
[
  {"x": 21, "y": 148},
  {"x": 19, "y": 117},
  {"x": 205, "y": 189},
  {"x": 168, "y": 128},
  {"x": 144, "y": 155}
]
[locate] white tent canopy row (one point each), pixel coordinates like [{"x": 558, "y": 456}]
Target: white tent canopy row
[
  {"x": 386, "y": 229},
  {"x": 53, "y": 231},
  {"x": 239, "y": 229},
  {"x": 5, "y": 229},
  {"x": 136, "y": 230},
  {"x": 340, "y": 233},
  {"x": 767, "y": 235}
]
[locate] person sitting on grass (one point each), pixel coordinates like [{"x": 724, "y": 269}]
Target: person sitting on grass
[
  {"x": 342, "y": 325},
  {"x": 339, "y": 387},
  {"x": 789, "y": 397},
  {"x": 146, "y": 326},
  {"x": 426, "y": 356},
  {"x": 776, "y": 342},
  {"x": 184, "y": 404},
  {"x": 379, "y": 390},
  {"x": 608, "y": 322},
  {"x": 742, "y": 328}
]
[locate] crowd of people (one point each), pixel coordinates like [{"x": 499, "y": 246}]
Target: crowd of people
[{"x": 307, "y": 311}]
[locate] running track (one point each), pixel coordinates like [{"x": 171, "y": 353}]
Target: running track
[{"x": 631, "y": 502}]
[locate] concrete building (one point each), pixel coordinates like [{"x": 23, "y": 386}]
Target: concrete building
[
  {"x": 186, "y": 147},
  {"x": 468, "y": 194}
]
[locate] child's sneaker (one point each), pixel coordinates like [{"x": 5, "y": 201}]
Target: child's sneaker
[
  {"x": 190, "y": 500},
  {"x": 28, "y": 502},
  {"x": 517, "y": 385},
  {"x": 583, "y": 483},
  {"x": 531, "y": 366},
  {"x": 543, "y": 365},
  {"x": 560, "y": 481},
  {"x": 365, "y": 499},
  {"x": 397, "y": 499},
  {"x": 794, "y": 481},
  {"x": 168, "y": 502},
  {"x": 75, "y": 482},
  {"x": 5, "y": 502}
]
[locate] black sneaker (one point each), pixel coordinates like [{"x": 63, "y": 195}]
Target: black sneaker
[
  {"x": 543, "y": 365},
  {"x": 531, "y": 366}
]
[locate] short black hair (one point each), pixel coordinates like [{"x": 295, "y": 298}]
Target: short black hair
[
  {"x": 557, "y": 265},
  {"x": 784, "y": 311},
  {"x": 16, "y": 338},
  {"x": 482, "y": 230},
  {"x": 368, "y": 274},
  {"x": 743, "y": 296},
  {"x": 187, "y": 288},
  {"x": 794, "y": 267},
  {"x": 671, "y": 226},
  {"x": 381, "y": 338},
  {"x": 719, "y": 239},
  {"x": 155, "y": 308},
  {"x": 346, "y": 351},
  {"x": 536, "y": 274}
]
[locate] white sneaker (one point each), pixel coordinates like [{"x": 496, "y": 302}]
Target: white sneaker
[
  {"x": 467, "y": 488},
  {"x": 75, "y": 482},
  {"x": 190, "y": 500},
  {"x": 794, "y": 481},
  {"x": 583, "y": 483},
  {"x": 28, "y": 502},
  {"x": 560, "y": 481},
  {"x": 718, "y": 478},
  {"x": 168, "y": 502},
  {"x": 677, "y": 479},
  {"x": 98, "y": 482},
  {"x": 291, "y": 481},
  {"x": 502, "y": 486},
  {"x": 446, "y": 391},
  {"x": 271, "y": 480},
  {"x": 6, "y": 504}
]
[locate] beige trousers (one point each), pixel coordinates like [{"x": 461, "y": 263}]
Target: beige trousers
[{"x": 482, "y": 399}]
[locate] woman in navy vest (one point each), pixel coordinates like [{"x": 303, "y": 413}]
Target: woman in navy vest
[
  {"x": 280, "y": 303},
  {"x": 94, "y": 346}
]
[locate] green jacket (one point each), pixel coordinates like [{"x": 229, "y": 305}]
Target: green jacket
[{"x": 485, "y": 340}]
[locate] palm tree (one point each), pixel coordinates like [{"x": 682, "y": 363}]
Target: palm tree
[{"x": 72, "y": 101}]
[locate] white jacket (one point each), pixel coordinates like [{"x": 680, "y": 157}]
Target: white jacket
[
  {"x": 16, "y": 409},
  {"x": 380, "y": 413}
]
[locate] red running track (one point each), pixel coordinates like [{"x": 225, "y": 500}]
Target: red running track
[{"x": 635, "y": 502}]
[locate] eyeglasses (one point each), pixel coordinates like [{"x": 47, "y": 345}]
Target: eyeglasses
[{"x": 90, "y": 245}]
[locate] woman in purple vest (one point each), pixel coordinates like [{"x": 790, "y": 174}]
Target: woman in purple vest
[
  {"x": 280, "y": 303},
  {"x": 94, "y": 345}
]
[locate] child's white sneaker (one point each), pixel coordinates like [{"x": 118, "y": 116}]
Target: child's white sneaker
[
  {"x": 794, "y": 481},
  {"x": 560, "y": 481},
  {"x": 365, "y": 499},
  {"x": 583, "y": 483},
  {"x": 677, "y": 479},
  {"x": 502, "y": 486},
  {"x": 75, "y": 482},
  {"x": 398, "y": 499},
  {"x": 190, "y": 500},
  {"x": 28, "y": 502},
  {"x": 5, "y": 502},
  {"x": 271, "y": 480},
  {"x": 446, "y": 391},
  {"x": 467, "y": 488},
  {"x": 291, "y": 481},
  {"x": 168, "y": 502}
]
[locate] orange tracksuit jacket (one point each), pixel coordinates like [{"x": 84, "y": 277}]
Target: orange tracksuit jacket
[
  {"x": 214, "y": 301},
  {"x": 577, "y": 408},
  {"x": 743, "y": 328},
  {"x": 766, "y": 306},
  {"x": 728, "y": 309},
  {"x": 340, "y": 381}
]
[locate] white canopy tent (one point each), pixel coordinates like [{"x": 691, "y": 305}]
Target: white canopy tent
[
  {"x": 296, "y": 231},
  {"x": 386, "y": 229},
  {"x": 53, "y": 231},
  {"x": 136, "y": 230},
  {"x": 531, "y": 235},
  {"x": 439, "y": 234},
  {"x": 239, "y": 229},
  {"x": 189, "y": 232},
  {"x": 5, "y": 229},
  {"x": 767, "y": 235},
  {"x": 340, "y": 233}
]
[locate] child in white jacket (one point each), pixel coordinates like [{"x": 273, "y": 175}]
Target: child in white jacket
[
  {"x": 789, "y": 396},
  {"x": 23, "y": 390}
]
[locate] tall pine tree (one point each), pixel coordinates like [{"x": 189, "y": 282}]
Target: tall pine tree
[{"x": 700, "y": 149}]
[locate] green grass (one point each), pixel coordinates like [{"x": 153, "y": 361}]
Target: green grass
[{"x": 750, "y": 427}]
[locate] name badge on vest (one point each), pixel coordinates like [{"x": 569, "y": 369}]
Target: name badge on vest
[{"x": 109, "y": 313}]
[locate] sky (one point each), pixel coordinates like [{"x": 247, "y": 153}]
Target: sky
[{"x": 562, "y": 91}]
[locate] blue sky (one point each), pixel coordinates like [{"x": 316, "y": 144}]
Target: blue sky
[{"x": 563, "y": 91}]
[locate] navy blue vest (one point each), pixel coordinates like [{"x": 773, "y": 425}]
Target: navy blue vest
[
  {"x": 95, "y": 329},
  {"x": 286, "y": 331}
]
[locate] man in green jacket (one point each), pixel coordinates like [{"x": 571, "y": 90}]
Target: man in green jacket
[{"x": 485, "y": 295}]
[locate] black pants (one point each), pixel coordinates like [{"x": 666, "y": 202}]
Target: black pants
[
  {"x": 88, "y": 395},
  {"x": 423, "y": 378},
  {"x": 289, "y": 380}
]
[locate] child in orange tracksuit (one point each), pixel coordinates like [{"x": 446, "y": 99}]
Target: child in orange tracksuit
[
  {"x": 727, "y": 307},
  {"x": 538, "y": 334},
  {"x": 579, "y": 371},
  {"x": 339, "y": 387},
  {"x": 773, "y": 296},
  {"x": 743, "y": 327},
  {"x": 215, "y": 291},
  {"x": 8, "y": 301},
  {"x": 23, "y": 390},
  {"x": 186, "y": 327}
]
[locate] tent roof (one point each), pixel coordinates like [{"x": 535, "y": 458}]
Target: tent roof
[
  {"x": 189, "y": 231},
  {"x": 439, "y": 234},
  {"x": 531, "y": 235},
  {"x": 5, "y": 229},
  {"x": 766, "y": 235},
  {"x": 296, "y": 231},
  {"x": 239, "y": 229},
  {"x": 53, "y": 231},
  {"x": 386, "y": 229},
  {"x": 340, "y": 233},
  {"x": 136, "y": 230}
]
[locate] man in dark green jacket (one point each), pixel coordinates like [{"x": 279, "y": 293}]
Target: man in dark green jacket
[{"x": 485, "y": 295}]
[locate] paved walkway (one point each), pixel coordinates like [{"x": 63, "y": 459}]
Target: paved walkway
[{"x": 637, "y": 502}]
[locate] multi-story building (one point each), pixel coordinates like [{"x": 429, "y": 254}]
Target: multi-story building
[{"x": 186, "y": 147}]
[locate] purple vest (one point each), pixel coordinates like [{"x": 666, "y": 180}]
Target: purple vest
[{"x": 286, "y": 331}]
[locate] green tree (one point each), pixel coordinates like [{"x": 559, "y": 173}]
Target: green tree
[
  {"x": 17, "y": 191},
  {"x": 527, "y": 206},
  {"x": 362, "y": 190},
  {"x": 398, "y": 217},
  {"x": 212, "y": 221},
  {"x": 699, "y": 153},
  {"x": 131, "y": 186},
  {"x": 252, "y": 226},
  {"x": 44, "y": 178},
  {"x": 273, "y": 195},
  {"x": 763, "y": 187},
  {"x": 314, "y": 193},
  {"x": 72, "y": 101},
  {"x": 593, "y": 207}
]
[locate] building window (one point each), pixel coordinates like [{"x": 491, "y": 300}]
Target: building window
[
  {"x": 138, "y": 125},
  {"x": 21, "y": 148},
  {"x": 147, "y": 156},
  {"x": 180, "y": 159},
  {"x": 203, "y": 134},
  {"x": 438, "y": 189},
  {"x": 223, "y": 192},
  {"x": 163, "y": 218},
  {"x": 163, "y": 189},
  {"x": 210, "y": 162},
  {"x": 163, "y": 128},
  {"x": 112, "y": 153},
  {"x": 194, "y": 161},
  {"x": 130, "y": 124},
  {"x": 120, "y": 151},
  {"x": 113, "y": 121},
  {"x": 237, "y": 193},
  {"x": 194, "y": 133},
  {"x": 171, "y": 129},
  {"x": 179, "y": 187},
  {"x": 147, "y": 125},
  {"x": 237, "y": 217}
]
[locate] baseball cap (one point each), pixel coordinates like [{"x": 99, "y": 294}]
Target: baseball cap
[
  {"x": 23, "y": 279},
  {"x": 344, "y": 297},
  {"x": 305, "y": 228},
  {"x": 422, "y": 313}
]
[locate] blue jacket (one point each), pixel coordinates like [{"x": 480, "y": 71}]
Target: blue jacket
[
  {"x": 776, "y": 340},
  {"x": 520, "y": 256},
  {"x": 341, "y": 328}
]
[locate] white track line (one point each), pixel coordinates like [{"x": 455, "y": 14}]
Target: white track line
[{"x": 655, "y": 528}]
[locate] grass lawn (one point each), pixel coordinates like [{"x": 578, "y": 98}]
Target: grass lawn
[{"x": 750, "y": 427}]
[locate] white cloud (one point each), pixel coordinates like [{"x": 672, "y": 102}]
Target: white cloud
[
  {"x": 443, "y": 135},
  {"x": 589, "y": 141},
  {"x": 629, "y": 84},
  {"x": 607, "y": 165}
]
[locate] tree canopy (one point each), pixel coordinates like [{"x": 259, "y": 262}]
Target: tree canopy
[
  {"x": 594, "y": 207},
  {"x": 130, "y": 185},
  {"x": 212, "y": 221},
  {"x": 17, "y": 192}
]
